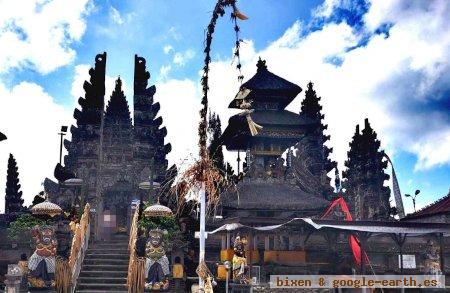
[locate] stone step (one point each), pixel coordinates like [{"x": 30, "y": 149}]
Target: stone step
[
  {"x": 107, "y": 251},
  {"x": 109, "y": 246},
  {"x": 99, "y": 286},
  {"x": 101, "y": 274},
  {"x": 104, "y": 267},
  {"x": 102, "y": 261},
  {"x": 102, "y": 280},
  {"x": 100, "y": 291},
  {"x": 90, "y": 255}
]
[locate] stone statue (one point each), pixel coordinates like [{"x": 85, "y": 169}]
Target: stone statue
[
  {"x": 157, "y": 264},
  {"x": 240, "y": 261},
  {"x": 42, "y": 263},
  {"x": 432, "y": 260}
]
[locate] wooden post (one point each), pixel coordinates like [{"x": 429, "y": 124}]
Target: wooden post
[
  {"x": 250, "y": 246},
  {"x": 441, "y": 252},
  {"x": 400, "y": 240},
  {"x": 202, "y": 231}
]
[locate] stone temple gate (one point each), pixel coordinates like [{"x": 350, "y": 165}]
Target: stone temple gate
[{"x": 111, "y": 153}]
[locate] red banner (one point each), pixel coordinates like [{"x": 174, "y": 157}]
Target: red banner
[{"x": 353, "y": 240}]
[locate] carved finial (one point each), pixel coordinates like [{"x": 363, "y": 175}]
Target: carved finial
[
  {"x": 141, "y": 75},
  {"x": 261, "y": 65},
  {"x": 118, "y": 84},
  {"x": 366, "y": 123},
  {"x": 310, "y": 85}
]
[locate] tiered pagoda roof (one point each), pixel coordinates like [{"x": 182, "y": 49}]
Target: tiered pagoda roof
[
  {"x": 265, "y": 96},
  {"x": 266, "y": 87},
  {"x": 117, "y": 110}
]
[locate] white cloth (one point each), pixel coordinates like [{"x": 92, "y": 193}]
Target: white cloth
[
  {"x": 163, "y": 261},
  {"x": 35, "y": 259}
]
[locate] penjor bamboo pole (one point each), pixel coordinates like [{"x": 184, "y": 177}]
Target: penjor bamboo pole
[{"x": 201, "y": 282}]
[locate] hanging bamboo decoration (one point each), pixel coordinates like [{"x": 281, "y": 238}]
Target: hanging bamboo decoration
[
  {"x": 136, "y": 266},
  {"x": 203, "y": 172},
  {"x": 63, "y": 276},
  {"x": 79, "y": 236}
]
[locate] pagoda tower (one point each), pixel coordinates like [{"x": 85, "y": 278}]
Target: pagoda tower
[
  {"x": 13, "y": 194},
  {"x": 264, "y": 130},
  {"x": 317, "y": 165},
  {"x": 364, "y": 178},
  {"x": 118, "y": 132}
]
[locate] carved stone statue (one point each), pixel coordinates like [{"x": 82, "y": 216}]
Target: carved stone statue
[
  {"x": 42, "y": 263},
  {"x": 432, "y": 259},
  {"x": 240, "y": 261},
  {"x": 157, "y": 265}
]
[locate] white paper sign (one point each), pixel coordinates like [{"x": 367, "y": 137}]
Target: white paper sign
[{"x": 409, "y": 261}]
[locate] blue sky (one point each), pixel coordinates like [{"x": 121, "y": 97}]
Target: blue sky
[{"x": 385, "y": 61}]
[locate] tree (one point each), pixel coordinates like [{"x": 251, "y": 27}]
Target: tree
[
  {"x": 215, "y": 145},
  {"x": 13, "y": 196},
  {"x": 365, "y": 176},
  {"x": 311, "y": 163}
]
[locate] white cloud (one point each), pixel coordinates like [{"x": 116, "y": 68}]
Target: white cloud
[
  {"x": 39, "y": 34},
  {"x": 115, "y": 16},
  {"x": 181, "y": 58},
  {"x": 180, "y": 105},
  {"x": 433, "y": 150},
  {"x": 31, "y": 119},
  {"x": 174, "y": 33},
  {"x": 385, "y": 80},
  {"x": 167, "y": 49},
  {"x": 118, "y": 18},
  {"x": 164, "y": 72}
]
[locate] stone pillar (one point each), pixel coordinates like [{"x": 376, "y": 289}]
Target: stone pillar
[
  {"x": 13, "y": 279},
  {"x": 266, "y": 243}
]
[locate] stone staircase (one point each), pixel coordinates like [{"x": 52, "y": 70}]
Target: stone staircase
[{"x": 105, "y": 267}]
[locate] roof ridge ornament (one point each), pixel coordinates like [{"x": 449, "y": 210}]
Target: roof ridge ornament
[{"x": 261, "y": 64}]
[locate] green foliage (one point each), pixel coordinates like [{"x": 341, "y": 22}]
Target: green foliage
[
  {"x": 23, "y": 226},
  {"x": 164, "y": 223}
]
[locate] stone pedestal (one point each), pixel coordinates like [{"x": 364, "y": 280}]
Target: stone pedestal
[{"x": 12, "y": 283}]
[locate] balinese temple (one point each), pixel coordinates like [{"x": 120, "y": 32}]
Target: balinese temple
[
  {"x": 263, "y": 132},
  {"x": 284, "y": 176},
  {"x": 269, "y": 191},
  {"x": 110, "y": 154}
]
